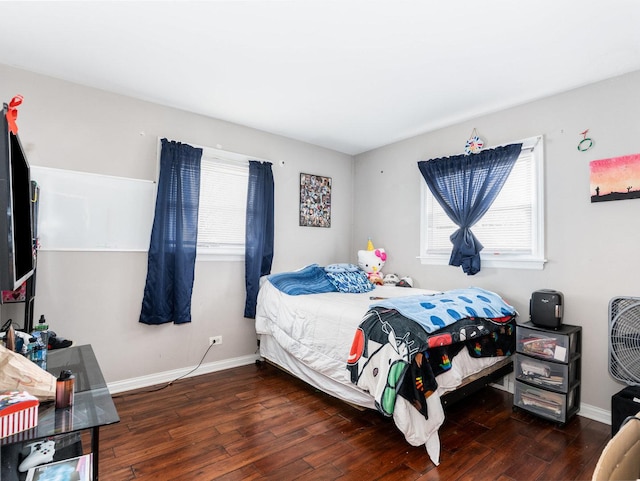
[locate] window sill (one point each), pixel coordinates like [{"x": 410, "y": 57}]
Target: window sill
[
  {"x": 219, "y": 255},
  {"x": 496, "y": 261}
]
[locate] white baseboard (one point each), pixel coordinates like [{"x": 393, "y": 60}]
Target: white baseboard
[
  {"x": 168, "y": 376},
  {"x": 595, "y": 413}
]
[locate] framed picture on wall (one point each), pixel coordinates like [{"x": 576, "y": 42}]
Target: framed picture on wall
[
  {"x": 617, "y": 178},
  {"x": 315, "y": 200}
]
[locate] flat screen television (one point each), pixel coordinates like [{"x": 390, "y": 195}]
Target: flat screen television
[{"x": 17, "y": 262}]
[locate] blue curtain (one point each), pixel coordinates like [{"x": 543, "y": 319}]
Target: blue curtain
[
  {"x": 466, "y": 186},
  {"x": 172, "y": 251},
  {"x": 259, "y": 231}
]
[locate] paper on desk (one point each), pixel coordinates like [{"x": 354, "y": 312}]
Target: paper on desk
[{"x": 17, "y": 373}]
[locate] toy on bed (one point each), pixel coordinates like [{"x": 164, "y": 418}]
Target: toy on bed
[
  {"x": 394, "y": 280},
  {"x": 391, "y": 279},
  {"x": 371, "y": 261}
]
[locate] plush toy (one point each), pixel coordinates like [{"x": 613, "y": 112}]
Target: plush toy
[
  {"x": 405, "y": 282},
  {"x": 371, "y": 261},
  {"x": 391, "y": 279}
]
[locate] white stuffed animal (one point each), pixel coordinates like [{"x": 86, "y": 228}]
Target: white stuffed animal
[
  {"x": 391, "y": 279},
  {"x": 371, "y": 261}
]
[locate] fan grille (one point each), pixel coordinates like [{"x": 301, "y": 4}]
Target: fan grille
[{"x": 624, "y": 339}]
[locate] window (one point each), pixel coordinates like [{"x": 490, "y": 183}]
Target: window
[
  {"x": 512, "y": 231},
  {"x": 223, "y": 203}
]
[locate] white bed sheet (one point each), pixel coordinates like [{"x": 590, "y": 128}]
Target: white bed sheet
[
  {"x": 311, "y": 336},
  {"x": 318, "y": 329}
]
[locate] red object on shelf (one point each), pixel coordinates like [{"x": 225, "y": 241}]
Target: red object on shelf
[{"x": 18, "y": 412}]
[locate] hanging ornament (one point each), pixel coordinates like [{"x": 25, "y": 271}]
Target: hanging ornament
[
  {"x": 586, "y": 143},
  {"x": 474, "y": 144}
]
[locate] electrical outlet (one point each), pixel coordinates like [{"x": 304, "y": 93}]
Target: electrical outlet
[{"x": 215, "y": 340}]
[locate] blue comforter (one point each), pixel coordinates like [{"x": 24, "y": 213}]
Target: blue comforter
[{"x": 309, "y": 280}]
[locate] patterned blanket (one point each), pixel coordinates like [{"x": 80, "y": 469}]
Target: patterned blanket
[
  {"x": 392, "y": 355},
  {"x": 436, "y": 311}
]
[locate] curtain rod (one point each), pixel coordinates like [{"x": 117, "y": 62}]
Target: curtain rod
[
  {"x": 218, "y": 153},
  {"x": 535, "y": 144},
  {"x": 528, "y": 144}
]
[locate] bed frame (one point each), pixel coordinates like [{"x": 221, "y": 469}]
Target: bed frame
[
  {"x": 470, "y": 385},
  {"x": 476, "y": 382}
]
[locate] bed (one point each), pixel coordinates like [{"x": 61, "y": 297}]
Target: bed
[{"x": 328, "y": 339}]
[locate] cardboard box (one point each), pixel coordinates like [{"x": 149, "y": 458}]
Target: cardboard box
[
  {"x": 620, "y": 459},
  {"x": 18, "y": 412}
]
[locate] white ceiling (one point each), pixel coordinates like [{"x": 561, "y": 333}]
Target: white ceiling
[{"x": 347, "y": 75}]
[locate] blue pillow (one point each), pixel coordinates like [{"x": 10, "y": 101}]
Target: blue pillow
[
  {"x": 352, "y": 282},
  {"x": 335, "y": 268}
]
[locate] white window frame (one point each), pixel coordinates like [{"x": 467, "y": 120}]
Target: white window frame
[{"x": 533, "y": 260}]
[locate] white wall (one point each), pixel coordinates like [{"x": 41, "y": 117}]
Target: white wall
[
  {"x": 592, "y": 249},
  {"x": 95, "y": 298}
]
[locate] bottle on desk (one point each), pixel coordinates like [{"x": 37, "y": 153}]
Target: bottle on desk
[
  {"x": 38, "y": 353},
  {"x": 65, "y": 388}
]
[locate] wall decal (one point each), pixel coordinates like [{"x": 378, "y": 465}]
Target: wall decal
[
  {"x": 474, "y": 144},
  {"x": 315, "y": 200},
  {"x": 617, "y": 178},
  {"x": 586, "y": 143}
]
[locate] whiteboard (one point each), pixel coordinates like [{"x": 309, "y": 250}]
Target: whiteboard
[{"x": 79, "y": 211}]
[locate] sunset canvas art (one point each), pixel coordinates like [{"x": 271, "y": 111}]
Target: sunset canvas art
[{"x": 617, "y": 178}]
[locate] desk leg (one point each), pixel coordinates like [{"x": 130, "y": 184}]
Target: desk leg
[{"x": 95, "y": 449}]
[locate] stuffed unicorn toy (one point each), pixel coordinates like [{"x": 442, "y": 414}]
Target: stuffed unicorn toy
[{"x": 371, "y": 261}]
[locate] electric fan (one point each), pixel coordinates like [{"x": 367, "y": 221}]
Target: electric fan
[{"x": 624, "y": 339}]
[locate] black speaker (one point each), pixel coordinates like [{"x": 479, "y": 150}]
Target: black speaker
[
  {"x": 546, "y": 308},
  {"x": 624, "y": 404}
]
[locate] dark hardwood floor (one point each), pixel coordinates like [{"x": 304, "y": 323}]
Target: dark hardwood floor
[{"x": 260, "y": 423}]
